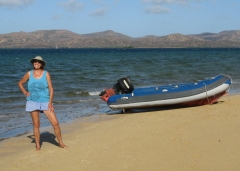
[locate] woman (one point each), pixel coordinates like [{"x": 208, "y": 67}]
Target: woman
[{"x": 40, "y": 98}]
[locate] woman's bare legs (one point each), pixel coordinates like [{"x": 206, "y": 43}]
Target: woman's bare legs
[
  {"x": 36, "y": 126},
  {"x": 53, "y": 120}
]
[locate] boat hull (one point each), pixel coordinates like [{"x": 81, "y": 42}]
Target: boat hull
[{"x": 181, "y": 95}]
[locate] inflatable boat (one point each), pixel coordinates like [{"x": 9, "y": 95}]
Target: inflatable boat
[{"x": 123, "y": 95}]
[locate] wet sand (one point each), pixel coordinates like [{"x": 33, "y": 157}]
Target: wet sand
[{"x": 185, "y": 139}]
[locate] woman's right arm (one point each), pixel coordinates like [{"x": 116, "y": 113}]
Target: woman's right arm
[{"x": 22, "y": 81}]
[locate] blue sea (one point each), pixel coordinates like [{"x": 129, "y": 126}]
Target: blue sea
[{"x": 79, "y": 75}]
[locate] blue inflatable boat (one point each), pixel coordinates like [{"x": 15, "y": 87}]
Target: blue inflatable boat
[{"x": 124, "y": 96}]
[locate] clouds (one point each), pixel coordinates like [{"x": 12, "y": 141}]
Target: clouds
[
  {"x": 158, "y": 6},
  {"x": 77, "y": 6},
  {"x": 72, "y": 5},
  {"x": 99, "y": 12},
  {"x": 100, "y": 8},
  {"x": 15, "y": 3},
  {"x": 135, "y": 18},
  {"x": 157, "y": 9},
  {"x": 170, "y": 1}
]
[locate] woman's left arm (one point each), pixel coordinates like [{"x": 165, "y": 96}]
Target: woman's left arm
[{"x": 50, "y": 87}]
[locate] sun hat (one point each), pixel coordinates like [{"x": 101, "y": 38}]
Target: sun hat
[{"x": 38, "y": 58}]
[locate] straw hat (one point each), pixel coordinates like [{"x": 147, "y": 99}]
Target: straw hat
[{"x": 38, "y": 58}]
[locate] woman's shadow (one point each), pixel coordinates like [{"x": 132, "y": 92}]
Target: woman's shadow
[{"x": 45, "y": 137}]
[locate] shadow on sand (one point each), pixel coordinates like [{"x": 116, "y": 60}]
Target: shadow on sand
[{"x": 45, "y": 137}]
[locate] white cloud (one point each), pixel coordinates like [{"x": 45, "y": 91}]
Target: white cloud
[
  {"x": 14, "y": 3},
  {"x": 99, "y": 12},
  {"x": 156, "y": 9},
  {"x": 72, "y": 5},
  {"x": 100, "y": 2},
  {"x": 157, "y": 5},
  {"x": 158, "y": 1},
  {"x": 170, "y": 1}
]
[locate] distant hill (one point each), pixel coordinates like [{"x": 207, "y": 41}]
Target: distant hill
[
  {"x": 230, "y": 36},
  {"x": 111, "y": 39},
  {"x": 106, "y": 34}
]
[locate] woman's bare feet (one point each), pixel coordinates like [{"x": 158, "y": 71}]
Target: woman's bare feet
[
  {"x": 63, "y": 146},
  {"x": 38, "y": 148}
]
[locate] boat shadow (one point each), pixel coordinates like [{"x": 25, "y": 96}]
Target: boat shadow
[
  {"x": 45, "y": 137},
  {"x": 154, "y": 109}
]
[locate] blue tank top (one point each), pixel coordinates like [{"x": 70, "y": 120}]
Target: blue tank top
[{"x": 38, "y": 88}]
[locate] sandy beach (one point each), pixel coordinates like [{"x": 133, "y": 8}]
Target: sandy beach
[{"x": 203, "y": 138}]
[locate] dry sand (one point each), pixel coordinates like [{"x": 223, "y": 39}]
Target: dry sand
[{"x": 204, "y": 138}]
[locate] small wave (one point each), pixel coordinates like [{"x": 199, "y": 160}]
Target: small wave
[
  {"x": 94, "y": 93},
  {"x": 82, "y": 93},
  {"x": 76, "y": 101}
]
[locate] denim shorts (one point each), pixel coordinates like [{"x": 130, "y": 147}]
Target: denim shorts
[{"x": 32, "y": 106}]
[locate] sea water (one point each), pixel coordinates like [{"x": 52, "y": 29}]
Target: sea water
[{"x": 79, "y": 75}]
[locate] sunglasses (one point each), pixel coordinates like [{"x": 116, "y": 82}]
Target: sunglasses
[{"x": 36, "y": 61}]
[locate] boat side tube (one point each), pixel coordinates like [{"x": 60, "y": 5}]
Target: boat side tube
[{"x": 169, "y": 95}]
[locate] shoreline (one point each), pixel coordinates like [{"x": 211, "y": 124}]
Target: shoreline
[
  {"x": 236, "y": 92},
  {"x": 44, "y": 128},
  {"x": 195, "y": 138}
]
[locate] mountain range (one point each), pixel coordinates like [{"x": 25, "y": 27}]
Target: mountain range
[{"x": 111, "y": 39}]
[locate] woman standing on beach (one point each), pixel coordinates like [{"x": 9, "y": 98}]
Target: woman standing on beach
[{"x": 40, "y": 98}]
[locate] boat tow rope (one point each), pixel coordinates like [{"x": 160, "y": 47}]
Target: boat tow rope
[
  {"x": 206, "y": 92},
  {"x": 227, "y": 93},
  {"x": 229, "y": 87}
]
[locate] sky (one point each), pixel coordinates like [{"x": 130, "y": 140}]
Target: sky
[{"x": 134, "y": 18}]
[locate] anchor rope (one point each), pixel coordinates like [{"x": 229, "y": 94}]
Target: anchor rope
[
  {"x": 229, "y": 86},
  {"x": 206, "y": 92},
  {"x": 227, "y": 91}
]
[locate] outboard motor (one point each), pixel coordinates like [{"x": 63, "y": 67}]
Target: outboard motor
[
  {"x": 126, "y": 85},
  {"x": 123, "y": 86}
]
